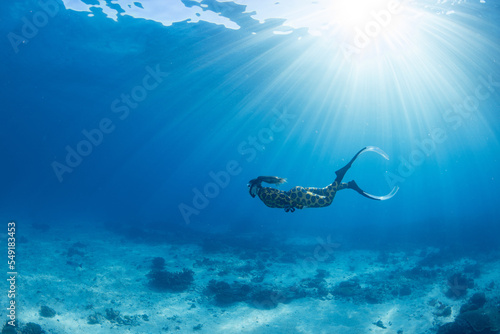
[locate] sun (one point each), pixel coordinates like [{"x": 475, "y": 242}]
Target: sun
[
  {"x": 349, "y": 13},
  {"x": 370, "y": 16},
  {"x": 366, "y": 26}
]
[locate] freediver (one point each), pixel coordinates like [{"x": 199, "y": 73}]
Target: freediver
[{"x": 300, "y": 197}]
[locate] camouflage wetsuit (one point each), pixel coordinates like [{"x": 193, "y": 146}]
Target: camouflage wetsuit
[{"x": 300, "y": 197}]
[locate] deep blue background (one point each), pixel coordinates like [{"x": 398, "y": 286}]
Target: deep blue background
[{"x": 222, "y": 87}]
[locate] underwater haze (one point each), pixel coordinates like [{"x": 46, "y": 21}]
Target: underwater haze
[{"x": 130, "y": 130}]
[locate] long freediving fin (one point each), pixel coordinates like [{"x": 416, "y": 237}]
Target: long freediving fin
[
  {"x": 352, "y": 185},
  {"x": 341, "y": 172}
]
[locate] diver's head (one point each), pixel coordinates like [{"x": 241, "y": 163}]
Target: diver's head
[{"x": 254, "y": 186}]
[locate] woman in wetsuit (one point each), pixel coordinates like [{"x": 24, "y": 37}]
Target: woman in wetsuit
[{"x": 300, "y": 197}]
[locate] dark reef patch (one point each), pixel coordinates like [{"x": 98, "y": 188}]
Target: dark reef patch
[
  {"x": 47, "y": 312},
  {"x": 163, "y": 280}
]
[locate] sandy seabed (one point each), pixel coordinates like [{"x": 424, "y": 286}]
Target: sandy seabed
[{"x": 96, "y": 282}]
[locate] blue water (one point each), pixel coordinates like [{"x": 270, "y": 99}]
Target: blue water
[{"x": 174, "y": 104}]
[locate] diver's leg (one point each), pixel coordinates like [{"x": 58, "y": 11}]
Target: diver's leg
[
  {"x": 321, "y": 197},
  {"x": 332, "y": 189},
  {"x": 328, "y": 190},
  {"x": 318, "y": 191}
]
